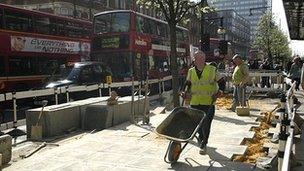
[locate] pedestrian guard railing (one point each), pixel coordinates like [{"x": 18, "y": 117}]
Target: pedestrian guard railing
[
  {"x": 137, "y": 88},
  {"x": 263, "y": 80},
  {"x": 276, "y": 80},
  {"x": 286, "y": 136}
]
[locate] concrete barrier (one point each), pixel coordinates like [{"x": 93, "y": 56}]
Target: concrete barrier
[
  {"x": 55, "y": 120},
  {"x": 98, "y": 116},
  {"x": 5, "y": 149},
  {"x": 83, "y": 104},
  {"x": 93, "y": 113}
]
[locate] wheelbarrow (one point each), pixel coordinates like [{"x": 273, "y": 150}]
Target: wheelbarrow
[{"x": 179, "y": 127}]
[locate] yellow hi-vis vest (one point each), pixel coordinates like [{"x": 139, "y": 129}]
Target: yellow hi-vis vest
[
  {"x": 238, "y": 75},
  {"x": 202, "y": 89}
]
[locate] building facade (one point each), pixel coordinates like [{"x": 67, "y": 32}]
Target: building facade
[
  {"x": 252, "y": 10},
  {"x": 237, "y": 30},
  {"x": 81, "y": 9}
]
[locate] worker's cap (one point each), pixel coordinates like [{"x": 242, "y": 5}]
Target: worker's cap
[{"x": 236, "y": 56}]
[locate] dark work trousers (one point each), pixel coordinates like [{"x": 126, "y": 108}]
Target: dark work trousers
[
  {"x": 298, "y": 81},
  {"x": 204, "y": 131},
  {"x": 265, "y": 82}
]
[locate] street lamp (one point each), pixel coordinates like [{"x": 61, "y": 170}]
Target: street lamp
[{"x": 221, "y": 31}]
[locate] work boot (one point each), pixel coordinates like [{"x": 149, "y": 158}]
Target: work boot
[{"x": 203, "y": 150}]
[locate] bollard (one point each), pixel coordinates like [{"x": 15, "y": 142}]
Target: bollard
[
  {"x": 282, "y": 143},
  {"x": 159, "y": 87},
  {"x": 56, "y": 95},
  {"x": 99, "y": 89},
  {"x": 67, "y": 94},
  {"x": 132, "y": 103},
  {"x": 286, "y": 121},
  {"x": 139, "y": 89},
  {"x": 15, "y": 109},
  {"x": 282, "y": 109}
]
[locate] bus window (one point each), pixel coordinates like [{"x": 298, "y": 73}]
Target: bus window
[
  {"x": 161, "y": 29},
  {"x": 50, "y": 66},
  {"x": 61, "y": 28},
  {"x": 121, "y": 22},
  {"x": 186, "y": 35},
  {"x": 119, "y": 65},
  {"x": 1, "y": 18},
  {"x": 42, "y": 25},
  {"x": 73, "y": 29},
  {"x": 86, "y": 31},
  {"x": 139, "y": 24},
  {"x": 145, "y": 25},
  {"x": 2, "y": 68},
  {"x": 179, "y": 34},
  {"x": 102, "y": 24},
  {"x": 117, "y": 22},
  {"x": 17, "y": 21},
  {"x": 20, "y": 66}
]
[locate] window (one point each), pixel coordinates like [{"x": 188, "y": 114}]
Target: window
[
  {"x": 120, "y": 22},
  {"x": 179, "y": 34},
  {"x": 22, "y": 66},
  {"x": 112, "y": 22},
  {"x": 42, "y": 25},
  {"x": 62, "y": 31},
  {"x": 119, "y": 64},
  {"x": 112, "y": 3},
  {"x": 17, "y": 21},
  {"x": 2, "y": 67},
  {"x": 161, "y": 29},
  {"x": 146, "y": 25},
  {"x": 74, "y": 29},
  {"x": 1, "y": 18},
  {"x": 86, "y": 75}
]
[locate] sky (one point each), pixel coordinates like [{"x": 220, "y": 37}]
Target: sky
[{"x": 278, "y": 10}]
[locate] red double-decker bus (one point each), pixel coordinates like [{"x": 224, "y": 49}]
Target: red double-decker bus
[
  {"x": 129, "y": 43},
  {"x": 33, "y": 46}
]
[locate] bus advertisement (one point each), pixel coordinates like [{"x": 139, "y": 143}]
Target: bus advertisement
[{"x": 34, "y": 45}]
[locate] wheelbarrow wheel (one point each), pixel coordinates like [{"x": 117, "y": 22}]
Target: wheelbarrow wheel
[{"x": 175, "y": 148}]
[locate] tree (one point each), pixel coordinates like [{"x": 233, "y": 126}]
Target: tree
[
  {"x": 271, "y": 40},
  {"x": 174, "y": 12}
]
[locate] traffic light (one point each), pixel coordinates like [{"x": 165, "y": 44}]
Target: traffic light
[
  {"x": 205, "y": 43},
  {"x": 223, "y": 47}
]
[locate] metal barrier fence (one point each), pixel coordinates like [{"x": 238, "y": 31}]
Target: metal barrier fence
[
  {"x": 14, "y": 96},
  {"x": 260, "y": 80},
  {"x": 287, "y": 134}
]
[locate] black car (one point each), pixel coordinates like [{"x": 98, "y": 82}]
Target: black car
[{"x": 83, "y": 73}]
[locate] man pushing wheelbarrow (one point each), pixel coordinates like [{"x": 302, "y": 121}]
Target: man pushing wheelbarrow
[
  {"x": 203, "y": 94},
  {"x": 183, "y": 123}
]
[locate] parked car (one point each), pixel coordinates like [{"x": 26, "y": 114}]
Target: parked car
[{"x": 83, "y": 73}]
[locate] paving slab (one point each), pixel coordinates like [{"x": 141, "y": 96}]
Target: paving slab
[{"x": 137, "y": 147}]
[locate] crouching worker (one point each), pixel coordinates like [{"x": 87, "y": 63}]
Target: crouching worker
[{"x": 204, "y": 92}]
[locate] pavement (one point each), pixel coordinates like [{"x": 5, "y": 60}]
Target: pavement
[
  {"x": 137, "y": 147},
  {"x": 298, "y": 147}
]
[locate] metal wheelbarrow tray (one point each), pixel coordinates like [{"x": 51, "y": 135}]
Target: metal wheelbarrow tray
[{"x": 180, "y": 126}]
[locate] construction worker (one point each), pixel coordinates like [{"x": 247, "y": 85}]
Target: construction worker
[
  {"x": 203, "y": 93},
  {"x": 240, "y": 78}
]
